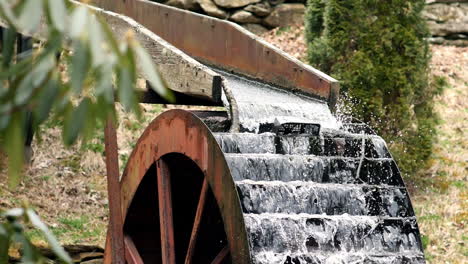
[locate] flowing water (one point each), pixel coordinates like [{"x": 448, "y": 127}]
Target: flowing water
[{"x": 331, "y": 196}]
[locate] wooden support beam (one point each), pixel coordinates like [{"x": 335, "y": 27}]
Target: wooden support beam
[
  {"x": 181, "y": 72},
  {"x": 113, "y": 190}
]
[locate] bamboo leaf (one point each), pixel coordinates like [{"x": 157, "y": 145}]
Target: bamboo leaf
[
  {"x": 4, "y": 244},
  {"x": 75, "y": 123},
  {"x": 44, "y": 106},
  {"x": 53, "y": 243},
  {"x": 96, "y": 41},
  {"x": 30, "y": 16},
  {"x": 151, "y": 74},
  {"x": 14, "y": 147},
  {"x": 58, "y": 14},
  {"x": 79, "y": 66},
  {"x": 125, "y": 89},
  {"x": 8, "y": 46},
  {"x": 104, "y": 83},
  {"x": 24, "y": 90},
  {"x": 78, "y": 21}
]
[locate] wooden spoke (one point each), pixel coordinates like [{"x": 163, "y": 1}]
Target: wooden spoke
[
  {"x": 131, "y": 253},
  {"x": 221, "y": 255},
  {"x": 165, "y": 213},
  {"x": 196, "y": 223}
]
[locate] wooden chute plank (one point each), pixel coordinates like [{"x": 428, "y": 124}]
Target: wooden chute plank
[{"x": 181, "y": 72}]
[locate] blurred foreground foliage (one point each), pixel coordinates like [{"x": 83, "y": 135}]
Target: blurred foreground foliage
[
  {"x": 71, "y": 75},
  {"x": 379, "y": 52}
]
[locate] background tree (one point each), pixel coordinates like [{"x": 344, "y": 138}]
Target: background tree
[
  {"x": 378, "y": 50},
  {"x": 76, "y": 89}
]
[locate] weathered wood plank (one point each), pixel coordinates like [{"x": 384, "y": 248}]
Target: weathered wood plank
[
  {"x": 226, "y": 45},
  {"x": 181, "y": 72}
]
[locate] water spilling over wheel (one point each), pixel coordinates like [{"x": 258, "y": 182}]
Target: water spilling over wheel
[{"x": 190, "y": 196}]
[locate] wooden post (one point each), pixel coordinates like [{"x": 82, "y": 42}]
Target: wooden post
[{"x": 113, "y": 189}]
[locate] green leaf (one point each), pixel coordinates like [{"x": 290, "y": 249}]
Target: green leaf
[
  {"x": 42, "y": 69},
  {"x": 34, "y": 79},
  {"x": 151, "y": 74},
  {"x": 14, "y": 146},
  {"x": 79, "y": 66},
  {"x": 8, "y": 47},
  {"x": 78, "y": 21},
  {"x": 4, "y": 244},
  {"x": 109, "y": 37},
  {"x": 4, "y": 121},
  {"x": 53, "y": 243},
  {"x": 104, "y": 83},
  {"x": 74, "y": 124},
  {"x": 96, "y": 41},
  {"x": 30, "y": 16},
  {"x": 16, "y": 69},
  {"x": 44, "y": 105},
  {"x": 7, "y": 13},
  {"x": 5, "y": 116},
  {"x": 24, "y": 90},
  {"x": 13, "y": 213},
  {"x": 30, "y": 254},
  {"x": 58, "y": 14},
  {"x": 125, "y": 88}
]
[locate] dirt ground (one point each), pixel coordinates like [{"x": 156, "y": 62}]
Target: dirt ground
[{"x": 67, "y": 187}]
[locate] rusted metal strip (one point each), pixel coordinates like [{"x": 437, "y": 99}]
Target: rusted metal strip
[
  {"x": 113, "y": 190},
  {"x": 221, "y": 256},
  {"x": 196, "y": 223},
  {"x": 131, "y": 253},
  {"x": 226, "y": 45},
  {"x": 165, "y": 213}
]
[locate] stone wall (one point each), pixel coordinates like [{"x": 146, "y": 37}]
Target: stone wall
[
  {"x": 256, "y": 15},
  {"x": 447, "y": 19}
]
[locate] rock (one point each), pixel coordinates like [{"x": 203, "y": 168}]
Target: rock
[
  {"x": 285, "y": 14},
  {"x": 211, "y": 9},
  {"x": 259, "y": 9},
  {"x": 447, "y": 20},
  {"x": 235, "y": 3},
  {"x": 176, "y": 3},
  {"x": 276, "y": 2},
  {"x": 244, "y": 17},
  {"x": 446, "y": 1},
  {"x": 445, "y": 13},
  {"x": 255, "y": 28},
  {"x": 192, "y": 5},
  {"x": 443, "y": 41},
  {"x": 447, "y": 29}
]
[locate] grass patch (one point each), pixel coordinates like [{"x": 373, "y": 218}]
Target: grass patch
[
  {"x": 72, "y": 162},
  {"x": 430, "y": 217},
  {"x": 282, "y": 30}
]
